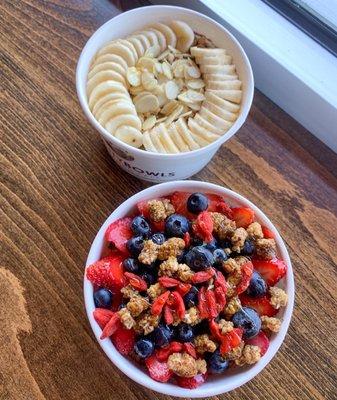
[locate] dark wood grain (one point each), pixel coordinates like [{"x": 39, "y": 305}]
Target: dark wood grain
[{"x": 58, "y": 184}]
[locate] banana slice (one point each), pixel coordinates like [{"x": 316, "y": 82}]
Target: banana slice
[
  {"x": 143, "y": 39},
  {"x": 205, "y": 124},
  {"x": 137, "y": 44},
  {"x": 177, "y": 138},
  {"x": 213, "y": 60},
  {"x": 230, "y": 95},
  {"x": 103, "y": 89},
  {"x": 147, "y": 142},
  {"x": 219, "y": 77},
  {"x": 204, "y": 52},
  {"x": 197, "y": 129},
  {"x": 153, "y": 39},
  {"x": 109, "y": 97},
  {"x": 166, "y": 140},
  {"x": 218, "y": 69},
  {"x": 224, "y": 114},
  {"x": 129, "y": 120},
  {"x": 218, "y": 101},
  {"x": 102, "y": 77},
  {"x": 131, "y": 47},
  {"x": 115, "y": 109},
  {"x": 110, "y": 58},
  {"x": 213, "y": 119},
  {"x": 129, "y": 135},
  {"x": 216, "y": 85},
  {"x": 107, "y": 66},
  {"x": 106, "y": 106},
  {"x": 171, "y": 39},
  {"x": 186, "y": 134},
  {"x": 185, "y": 35},
  {"x": 161, "y": 39},
  {"x": 155, "y": 138},
  {"x": 121, "y": 50}
]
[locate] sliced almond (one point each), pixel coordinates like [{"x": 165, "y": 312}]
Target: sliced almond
[
  {"x": 167, "y": 70},
  {"x": 175, "y": 115},
  {"x": 163, "y": 55},
  {"x": 169, "y": 107},
  {"x": 192, "y": 72},
  {"x": 157, "y": 68},
  {"x": 149, "y": 123},
  {"x": 133, "y": 76},
  {"x": 160, "y": 120},
  {"x": 170, "y": 58},
  {"x": 147, "y": 103},
  {"x": 195, "y": 96},
  {"x": 195, "y": 84},
  {"x": 148, "y": 80},
  {"x": 171, "y": 90},
  {"x": 173, "y": 50},
  {"x": 152, "y": 51},
  {"x": 135, "y": 90},
  {"x": 146, "y": 63}
]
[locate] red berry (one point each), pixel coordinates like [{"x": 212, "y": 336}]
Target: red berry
[
  {"x": 112, "y": 326},
  {"x": 230, "y": 340},
  {"x": 179, "y": 201},
  {"x": 164, "y": 353},
  {"x": 168, "y": 315},
  {"x": 270, "y": 270},
  {"x": 260, "y": 304},
  {"x": 168, "y": 282},
  {"x": 213, "y": 202},
  {"x": 203, "y": 226},
  {"x": 220, "y": 296},
  {"x": 246, "y": 274},
  {"x": 143, "y": 208},
  {"x": 215, "y": 330},
  {"x": 224, "y": 208},
  {"x": 267, "y": 233},
  {"x": 261, "y": 341},
  {"x": 190, "y": 349},
  {"x": 124, "y": 340},
  {"x": 158, "y": 370},
  {"x": 136, "y": 281},
  {"x": 187, "y": 239},
  {"x": 183, "y": 288},
  {"x": 107, "y": 273},
  {"x": 179, "y": 304},
  {"x": 190, "y": 383},
  {"x": 220, "y": 281},
  {"x": 158, "y": 304},
  {"x": 243, "y": 216},
  {"x": 203, "y": 276},
  {"x": 102, "y": 316},
  {"x": 211, "y": 304},
  {"x": 119, "y": 232},
  {"x": 202, "y": 304}
]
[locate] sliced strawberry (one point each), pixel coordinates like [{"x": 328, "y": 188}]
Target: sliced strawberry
[
  {"x": 168, "y": 315},
  {"x": 183, "y": 288},
  {"x": 260, "y": 304},
  {"x": 220, "y": 281},
  {"x": 267, "y": 233},
  {"x": 157, "y": 226},
  {"x": 158, "y": 304},
  {"x": 124, "y": 340},
  {"x": 203, "y": 276},
  {"x": 213, "y": 202},
  {"x": 179, "y": 304},
  {"x": 102, "y": 316},
  {"x": 243, "y": 216},
  {"x": 158, "y": 370},
  {"x": 190, "y": 383},
  {"x": 211, "y": 304},
  {"x": 246, "y": 274},
  {"x": 164, "y": 353},
  {"x": 168, "y": 282},
  {"x": 223, "y": 208},
  {"x": 261, "y": 341},
  {"x": 203, "y": 226},
  {"x": 119, "y": 232},
  {"x": 107, "y": 273},
  {"x": 143, "y": 208},
  {"x": 220, "y": 297},
  {"x": 202, "y": 304},
  {"x": 230, "y": 340},
  {"x": 112, "y": 326},
  {"x": 136, "y": 281},
  {"x": 179, "y": 201},
  {"x": 270, "y": 270},
  {"x": 215, "y": 330},
  {"x": 187, "y": 239},
  {"x": 190, "y": 349}
]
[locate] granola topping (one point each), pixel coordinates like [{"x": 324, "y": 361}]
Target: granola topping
[
  {"x": 238, "y": 239},
  {"x": 250, "y": 355},
  {"x": 192, "y": 316},
  {"x": 270, "y": 324},
  {"x": 126, "y": 318},
  {"x": 232, "y": 307},
  {"x": 182, "y": 364},
  {"x": 147, "y": 322},
  {"x": 159, "y": 210},
  {"x": 149, "y": 252},
  {"x": 137, "y": 305},
  {"x": 171, "y": 248},
  {"x": 225, "y": 326},
  {"x": 223, "y": 226},
  {"x": 128, "y": 292},
  {"x": 279, "y": 297},
  {"x": 155, "y": 290},
  {"x": 254, "y": 231},
  {"x": 204, "y": 344},
  {"x": 265, "y": 248}
]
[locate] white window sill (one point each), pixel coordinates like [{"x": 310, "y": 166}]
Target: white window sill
[{"x": 289, "y": 67}]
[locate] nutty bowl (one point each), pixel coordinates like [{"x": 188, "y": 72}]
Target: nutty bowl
[
  {"x": 215, "y": 384},
  {"x": 155, "y": 164}
]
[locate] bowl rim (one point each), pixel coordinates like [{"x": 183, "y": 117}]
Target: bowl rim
[
  {"x": 245, "y": 108},
  {"x": 134, "y": 372}
]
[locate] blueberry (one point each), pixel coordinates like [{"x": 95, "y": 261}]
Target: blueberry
[
  {"x": 176, "y": 225},
  {"x": 196, "y": 241},
  {"x": 181, "y": 257},
  {"x": 158, "y": 238},
  {"x": 248, "y": 248},
  {"x": 216, "y": 363},
  {"x": 144, "y": 348},
  {"x": 184, "y": 333},
  {"x": 162, "y": 335},
  {"x": 249, "y": 320},
  {"x": 140, "y": 226},
  {"x": 150, "y": 277},
  {"x": 202, "y": 327},
  {"x": 131, "y": 265},
  {"x": 219, "y": 257},
  {"x": 225, "y": 244},
  {"x": 257, "y": 286},
  {"x": 197, "y": 202},
  {"x": 135, "y": 245},
  {"x": 199, "y": 258},
  {"x": 103, "y": 298},
  {"x": 191, "y": 298},
  {"x": 211, "y": 246}
]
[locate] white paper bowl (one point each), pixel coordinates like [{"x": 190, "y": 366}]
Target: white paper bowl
[
  {"x": 215, "y": 384},
  {"x": 146, "y": 165}
]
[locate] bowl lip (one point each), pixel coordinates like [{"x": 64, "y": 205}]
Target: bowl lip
[
  {"x": 149, "y": 154},
  {"x": 133, "y": 372}
]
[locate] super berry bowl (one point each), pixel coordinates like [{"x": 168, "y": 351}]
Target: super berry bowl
[{"x": 188, "y": 287}]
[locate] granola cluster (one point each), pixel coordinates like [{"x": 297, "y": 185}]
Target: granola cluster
[
  {"x": 204, "y": 344},
  {"x": 182, "y": 364},
  {"x": 250, "y": 355},
  {"x": 159, "y": 210}
]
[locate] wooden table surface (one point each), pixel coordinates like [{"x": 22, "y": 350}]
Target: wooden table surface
[{"x": 58, "y": 185}]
